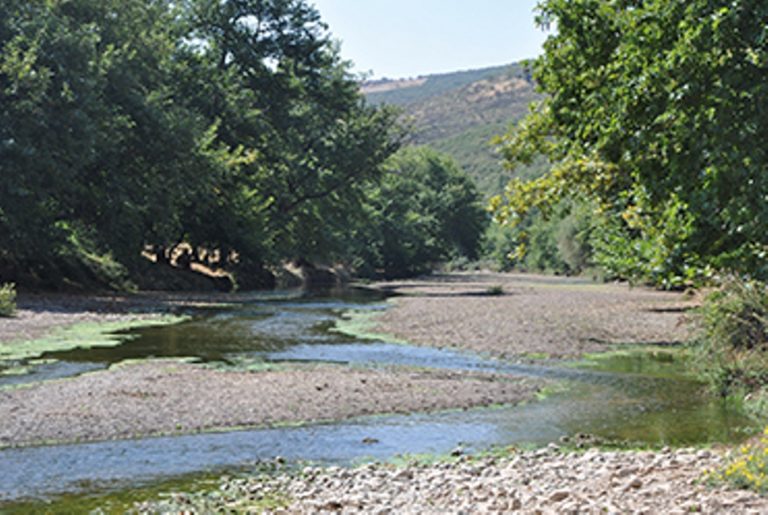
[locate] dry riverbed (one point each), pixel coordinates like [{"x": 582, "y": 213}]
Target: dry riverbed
[
  {"x": 522, "y": 315},
  {"x": 169, "y": 397},
  {"x": 505, "y": 315}
]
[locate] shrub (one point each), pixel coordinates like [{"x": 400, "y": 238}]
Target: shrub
[
  {"x": 557, "y": 242},
  {"x": 747, "y": 467},
  {"x": 7, "y": 299},
  {"x": 495, "y": 290},
  {"x": 731, "y": 348}
]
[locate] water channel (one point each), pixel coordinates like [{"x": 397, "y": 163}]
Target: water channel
[{"x": 641, "y": 398}]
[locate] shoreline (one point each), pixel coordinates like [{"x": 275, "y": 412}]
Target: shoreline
[
  {"x": 453, "y": 310},
  {"x": 547, "y": 480},
  {"x": 507, "y": 316}
]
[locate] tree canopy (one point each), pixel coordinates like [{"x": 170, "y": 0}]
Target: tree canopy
[
  {"x": 424, "y": 211},
  {"x": 232, "y": 127},
  {"x": 655, "y": 111}
]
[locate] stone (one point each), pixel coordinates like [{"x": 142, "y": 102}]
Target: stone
[{"x": 634, "y": 483}]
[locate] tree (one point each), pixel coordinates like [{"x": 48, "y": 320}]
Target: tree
[
  {"x": 655, "y": 109},
  {"x": 128, "y": 126},
  {"x": 282, "y": 92},
  {"x": 426, "y": 210}
]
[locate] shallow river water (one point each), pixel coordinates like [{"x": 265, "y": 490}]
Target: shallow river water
[{"x": 635, "y": 397}]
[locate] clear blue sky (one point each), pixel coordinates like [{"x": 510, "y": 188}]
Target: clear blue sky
[{"x": 405, "y": 38}]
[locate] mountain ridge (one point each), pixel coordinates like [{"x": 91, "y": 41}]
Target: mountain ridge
[{"x": 459, "y": 113}]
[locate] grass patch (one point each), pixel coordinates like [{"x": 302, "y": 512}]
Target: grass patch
[
  {"x": 360, "y": 324},
  {"x": 537, "y": 356},
  {"x": 167, "y": 496},
  {"x": 7, "y": 300},
  {"x": 15, "y": 371},
  {"x": 652, "y": 361},
  {"x": 553, "y": 388}
]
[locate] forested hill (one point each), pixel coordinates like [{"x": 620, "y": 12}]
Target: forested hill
[{"x": 458, "y": 113}]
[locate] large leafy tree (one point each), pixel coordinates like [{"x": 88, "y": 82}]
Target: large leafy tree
[
  {"x": 426, "y": 210},
  {"x": 96, "y": 156},
  {"x": 656, "y": 109},
  {"x": 232, "y": 126},
  {"x": 283, "y": 92}
]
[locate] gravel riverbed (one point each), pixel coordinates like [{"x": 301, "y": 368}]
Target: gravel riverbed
[
  {"x": 531, "y": 315},
  {"x": 171, "y": 397},
  {"x": 534, "y": 316},
  {"x": 542, "y": 481}
]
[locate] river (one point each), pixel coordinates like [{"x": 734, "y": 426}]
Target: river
[{"x": 635, "y": 398}]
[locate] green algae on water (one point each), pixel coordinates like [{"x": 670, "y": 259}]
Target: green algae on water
[
  {"x": 361, "y": 324},
  {"x": 650, "y": 361},
  {"x": 82, "y": 335}
]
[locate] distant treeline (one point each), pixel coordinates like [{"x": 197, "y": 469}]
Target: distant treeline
[{"x": 136, "y": 134}]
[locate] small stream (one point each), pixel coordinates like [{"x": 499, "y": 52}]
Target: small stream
[{"x": 638, "y": 398}]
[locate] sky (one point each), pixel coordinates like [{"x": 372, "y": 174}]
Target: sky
[{"x": 407, "y": 38}]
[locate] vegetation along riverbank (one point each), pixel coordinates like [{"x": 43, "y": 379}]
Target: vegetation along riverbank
[{"x": 594, "y": 278}]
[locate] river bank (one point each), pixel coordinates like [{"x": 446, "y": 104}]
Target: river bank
[
  {"x": 514, "y": 317},
  {"x": 541, "y": 481}
]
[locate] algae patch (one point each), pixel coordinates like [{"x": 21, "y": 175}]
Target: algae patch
[
  {"x": 361, "y": 324},
  {"x": 83, "y": 335},
  {"x": 650, "y": 361}
]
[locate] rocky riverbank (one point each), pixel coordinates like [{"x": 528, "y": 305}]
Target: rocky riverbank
[{"x": 542, "y": 481}]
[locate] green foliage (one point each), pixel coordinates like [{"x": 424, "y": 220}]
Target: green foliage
[
  {"x": 232, "y": 127},
  {"x": 653, "y": 110},
  {"x": 746, "y": 467},
  {"x": 495, "y": 290},
  {"x": 499, "y": 246},
  {"x": 7, "y": 299},
  {"x": 425, "y": 211},
  {"x": 731, "y": 349},
  {"x": 561, "y": 243}
]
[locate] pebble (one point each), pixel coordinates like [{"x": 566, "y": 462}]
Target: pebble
[{"x": 531, "y": 481}]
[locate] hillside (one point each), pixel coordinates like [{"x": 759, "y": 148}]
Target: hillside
[{"x": 458, "y": 113}]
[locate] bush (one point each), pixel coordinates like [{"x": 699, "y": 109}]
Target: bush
[
  {"x": 495, "y": 290},
  {"x": 731, "y": 348},
  {"x": 559, "y": 242},
  {"x": 747, "y": 468},
  {"x": 7, "y": 299},
  {"x": 499, "y": 246}
]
